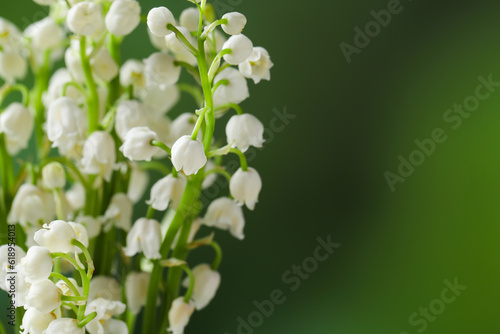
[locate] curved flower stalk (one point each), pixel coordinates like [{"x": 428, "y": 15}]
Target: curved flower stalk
[{"x": 87, "y": 260}]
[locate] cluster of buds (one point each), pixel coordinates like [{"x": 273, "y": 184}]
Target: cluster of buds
[{"x": 88, "y": 259}]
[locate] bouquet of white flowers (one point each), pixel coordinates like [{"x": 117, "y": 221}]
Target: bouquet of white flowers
[{"x": 72, "y": 260}]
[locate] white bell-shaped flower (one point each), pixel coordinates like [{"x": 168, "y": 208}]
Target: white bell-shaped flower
[
  {"x": 64, "y": 326},
  {"x": 66, "y": 290},
  {"x": 188, "y": 155},
  {"x": 12, "y": 66},
  {"x": 119, "y": 211},
  {"x": 53, "y": 175},
  {"x": 211, "y": 178},
  {"x": 56, "y": 236},
  {"x": 36, "y": 322},
  {"x": 81, "y": 235},
  {"x": 103, "y": 322},
  {"x": 235, "y": 23},
  {"x": 136, "y": 290},
  {"x": 132, "y": 73},
  {"x": 226, "y": 214},
  {"x": 58, "y": 80},
  {"x": 10, "y": 36},
  {"x": 105, "y": 287},
  {"x": 179, "y": 315},
  {"x": 139, "y": 180},
  {"x": 258, "y": 66},
  {"x": 45, "y": 34},
  {"x": 206, "y": 283},
  {"x": 145, "y": 237},
  {"x": 37, "y": 264},
  {"x": 130, "y": 114},
  {"x": 244, "y": 131},
  {"x": 10, "y": 257},
  {"x": 85, "y": 18},
  {"x": 173, "y": 43},
  {"x": 137, "y": 145},
  {"x": 123, "y": 17},
  {"x": 76, "y": 196},
  {"x": 160, "y": 70},
  {"x": 44, "y": 296},
  {"x": 167, "y": 190},
  {"x": 66, "y": 126},
  {"x": 245, "y": 187},
  {"x": 158, "y": 19},
  {"x": 183, "y": 125},
  {"x": 99, "y": 155},
  {"x": 91, "y": 224},
  {"x": 241, "y": 48},
  {"x": 190, "y": 19},
  {"x": 103, "y": 65},
  {"x": 17, "y": 123},
  {"x": 32, "y": 205},
  {"x": 73, "y": 62},
  {"x": 160, "y": 99},
  {"x": 236, "y": 91}
]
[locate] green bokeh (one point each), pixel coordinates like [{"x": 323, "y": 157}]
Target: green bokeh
[{"x": 324, "y": 173}]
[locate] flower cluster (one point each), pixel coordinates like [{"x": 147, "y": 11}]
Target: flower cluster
[{"x": 86, "y": 258}]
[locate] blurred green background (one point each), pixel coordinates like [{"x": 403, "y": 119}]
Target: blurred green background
[{"x": 323, "y": 173}]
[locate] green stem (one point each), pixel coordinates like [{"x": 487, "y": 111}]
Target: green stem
[
  {"x": 72, "y": 84},
  {"x": 67, "y": 281},
  {"x": 189, "y": 292},
  {"x": 194, "y": 91},
  {"x": 114, "y": 86},
  {"x": 234, "y": 106},
  {"x": 218, "y": 255},
  {"x": 162, "y": 146},
  {"x": 243, "y": 159},
  {"x": 7, "y": 172},
  {"x": 87, "y": 319},
  {"x": 93, "y": 98},
  {"x": 16, "y": 88},
  {"x": 41, "y": 85},
  {"x": 71, "y": 306},
  {"x": 180, "y": 36},
  {"x": 74, "y": 298},
  {"x": 59, "y": 204},
  {"x": 199, "y": 122},
  {"x": 151, "y": 212}
]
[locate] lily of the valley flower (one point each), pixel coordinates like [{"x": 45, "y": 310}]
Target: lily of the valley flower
[
  {"x": 236, "y": 89},
  {"x": 119, "y": 211},
  {"x": 56, "y": 236},
  {"x": 188, "y": 155},
  {"x": 167, "y": 190},
  {"x": 12, "y": 66},
  {"x": 17, "y": 123},
  {"x": 145, "y": 237},
  {"x": 104, "y": 287},
  {"x": 160, "y": 70},
  {"x": 36, "y": 322},
  {"x": 137, "y": 145},
  {"x": 45, "y": 34},
  {"x": 85, "y": 18},
  {"x": 244, "y": 131},
  {"x": 158, "y": 19},
  {"x": 245, "y": 187},
  {"x": 241, "y": 48},
  {"x": 258, "y": 66},
  {"x": 37, "y": 264},
  {"x": 136, "y": 289},
  {"x": 44, "y": 296},
  {"x": 53, "y": 176},
  {"x": 179, "y": 315},
  {"x": 123, "y": 17},
  {"x": 103, "y": 65},
  {"x": 32, "y": 205},
  {"x": 64, "y": 325},
  {"x": 190, "y": 18},
  {"x": 99, "y": 155},
  {"x": 206, "y": 283},
  {"x": 103, "y": 322},
  {"x": 226, "y": 214},
  {"x": 235, "y": 23}
]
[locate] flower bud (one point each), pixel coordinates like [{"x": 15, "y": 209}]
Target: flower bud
[
  {"x": 45, "y": 34},
  {"x": 123, "y": 17},
  {"x": 35, "y": 322},
  {"x": 136, "y": 289},
  {"x": 226, "y": 214},
  {"x": 179, "y": 315},
  {"x": 44, "y": 296},
  {"x": 17, "y": 123},
  {"x": 37, "y": 264},
  {"x": 258, "y": 66},
  {"x": 119, "y": 211},
  {"x": 241, "y": 48},
  {"x": 235, "y": 23},
  {"x": 245, "y": 187},
  {"x": 99, "y": 155},
  {"x": 166, "y": 190},
  {"x": 84, "y": 18},
  {"x": 145, "y": 237},
  {"x": 56, "y": 236},
  {"x": 190, "y": 19},
  {"x": 137, "y": 145},
  {"x": 236, "y": 91},
  {"x": 12, "y": 66},
  {"x": 64, "y": 326},
  {"x": 158, "y": 19},
  {"x": 53, "y": 175},
  {"x": 244, "y": 131},
  {"x": 160, "y": 70},
  {"x": 103, "y": 65},
  {"x": 189, "y": 155},
  {"x": 206, "y": 283}
]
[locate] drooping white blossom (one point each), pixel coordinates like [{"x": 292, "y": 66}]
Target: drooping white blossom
[
  {"x": 244, "y": 131},
  {"x": 188, "y": 155},
  {"x": 81, "y": 235},
  {"x": 64, "y": 325},
  {"x": 168, "y": 190},
  {"x": 56, "y": 236},
  {"x": 144, "y": 237},
  {"x": 44, "y": 296},
  {"x": 37, "y": 264},
  {"x": 99, "y": 156},
  {"x": 235, "y": 23},
  {"x": 158, "y": 19},
  {"x": 92, "y": 225},
  {"x": 45, "y": 34},
  {"x": 103, "y": 322},
  {"x": 258, "y": 66},
  {"x": 53, "y": 175},
  {"x": 132, "y": 73},
  {"x": 119, "y": 211},
  {"x": 136, "y": 290},
  {"x": 36, "y": 322},
  {"x": 236, "y": 90},
  {"x": 85, "y": 18},
  {"x": 137, "y": 145},
  {"x": 17, "y": 123},
  {"x": 32, "y": 205},
  {"x": 160, "y": 70},
  {"x": 104, "y": 66},
  {"x": 13, "y": 66},
  {"x": 105, "y": 287},
  {"x": 190, "y": 18},
  {"x": 123, "y": 17},
  {"x": 130, "y": 114},
  {"x": 160, "y": 99},
  {"x": 58, "y": 80},
  {"x": 138, "y": 183},
  {"x": 183, "y": 125},
  {"x": 76, "y": 196},
  {"x": 241, "y": 48},
  {"x": 206, "y": 283},
  {"x": 226, "y": 214},
  {"x": 179, "y": 315},
  {"x": 245, "y": 187}
]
